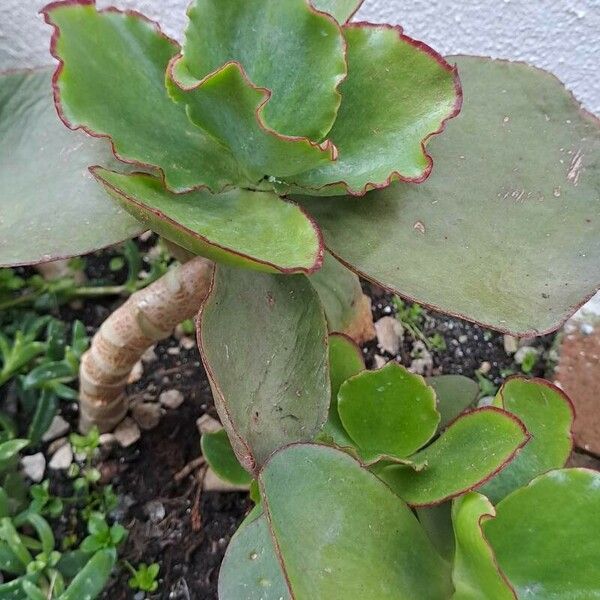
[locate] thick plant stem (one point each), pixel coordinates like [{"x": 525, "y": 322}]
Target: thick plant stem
[{"x": 146, "y": 317}]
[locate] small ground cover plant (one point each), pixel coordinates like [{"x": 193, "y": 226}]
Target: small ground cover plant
[{"x": 286, "y": 143}]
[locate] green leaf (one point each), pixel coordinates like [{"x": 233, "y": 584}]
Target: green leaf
[
  {"x": 340, "y": 10},
  {"x": 548, "y": 415},
  {"x": 50, "y": 207},
  {"x": 475, "y": 573},
  {"x": 454, "y": 393},
  {"x": 358, "y": 538},
  {"x": 46, "y": 372},
  {"x": 250, "y": 569},
  {"x": 286, "y": 47},
  {"x": 515, "y": 175},
  {"x": 10, "y": 535},
  {"x": 398, "y": 93},
  {"x": 437, "y": 522},
  {"x": 91, "y": 580},
  {"x": 345, "y": 360},
  {"x": 13, "y": 590},
  {"x": 271, "y": 393},
  {"x": 111, "y": 82},
  {"x": 251, "y": 229},
  {"x": 470, "y": 451},
  {"x": 45, "y": 411},
  {"x": 10, "y": 449},
  {"x": 388, "y": 412},
  {"x": 229, "y": 107},
  {"x": 217, "y": 450},
  {"x": 33, "y": 592},
  {"x": 553, "y": 523},
  {"x": 340, "y": 293}
]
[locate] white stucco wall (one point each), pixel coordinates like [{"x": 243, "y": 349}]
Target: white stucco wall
[{"x": 560, "y": 35}]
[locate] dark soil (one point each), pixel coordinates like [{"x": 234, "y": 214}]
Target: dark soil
[{"x": 174, "y": 523}]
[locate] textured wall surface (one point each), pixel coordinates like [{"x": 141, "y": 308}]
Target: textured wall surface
[{"x": 560, "y": 35}]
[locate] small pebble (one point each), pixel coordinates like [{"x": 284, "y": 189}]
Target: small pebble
[
  {"x": 187, "y": 343},
  {"x": 127, "y": 433},
  {"x": 206, "y": 424},
  {"x": 155, "y": 511},
  {"x": 389, "y": 333},
  {"x": 34, "y": 466},
  {"x": 62, "y": 458},
  {"x": 511, "y": 344},
  {"x": 56, "y": 445},
  {"x": 147, "y": 414},
  {"x": 108, "y": 439},
  {"x": 171, "y": 398},
  {"x": 485, "y": 368},
  {"x": 380, "y": 361},
  {"x": 58, "y": 428},
  {"x": 149, "y": 355}
]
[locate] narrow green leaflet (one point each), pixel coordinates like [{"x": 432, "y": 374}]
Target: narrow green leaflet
[
  {"x": 111, "y": 82},
  {"x": 228, "y": 106},
  {"x": 553, "y": 523},
  {"x": 239, "y": 227},
  {"x": 92, "y": 579},
  {"x": 345, "y": 360},
  {"x": 263, "y": 341},
  {"x": 250, "y": 569},
  {"x": 471, "y": 450},
  {"x": 548, "y": 416},
  {"x": 454, "y": 393},
  {"x": 475, "y": 573},
  {"x": 341, "y": 10},
  {"x": 217, "y": 450},
  {"x": 340, "y": 292},
  {"x": 50, "y": 206},
  {"x": 286, "y": 47},
  {"x": 521, "y": 152},
  {"x": 398, "y": 93},
  {"x": 388, "y": 412},
  {"x": 358, "y": 540}
]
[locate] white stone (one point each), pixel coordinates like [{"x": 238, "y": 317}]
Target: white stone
[
  {"x": 389, "y": 333},
  {"x": 58, "y": 428},
  {"x": 380, "y": 361},
  {"x": 127, "y": 433},
  {"x": 147, "y": 414},
  {"x": 62, "y": 459},
  {"x": 207, "y": 424},
  {"x": 34, "y": 466},
  {"x": 171, "y": 399}
]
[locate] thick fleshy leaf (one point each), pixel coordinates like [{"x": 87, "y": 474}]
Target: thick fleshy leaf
[
  {"x": 217, "y": 450},
  {"x": 50, "y": 206},
  {"x": 475, "y": 572},
  {"x": 519, "y": 169},
  {"x": 454, "y": 393},
  {"x": 340, "y": 10},
  {"x": 250, "y": 569},
  {"x": 553, "y": 523},
  {"x": 286, "y": 47},
  {"x": 228, "y": 106},
  {"x": 388, "y": 412},
  {"x": 340, "y": 292},
  {"x": 111, "y": 82},
  {"x": 472, "y": 449},
  {"x": 398, "y": 93},
  {"x": 358, "y": 540},
  {"x": 239, "y": 227},
  {"x": 271, "y": 393},
  {"x": 437, "y": 522},
  {"x": 345, "y": 360},
  {"x": 548, "y": 416}
]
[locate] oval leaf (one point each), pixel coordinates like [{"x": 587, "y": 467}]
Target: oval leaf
[
  {"x": 398, "y": 93},
  {"x": 553, "y": 523},
  {"x": 345, "y": 360},
  {"x": 271, "y": 393},
  {"x": 250, "y": 569},
  {"x": 548, "y": 416},
  {"x": 240, "y": 227},
  {"x": 515, "y": 176},
  {"x": 472, "y": 449},
  {"x": 219, "y": 454},
  {"x": 454, "y": 394},
  {"x": 110, "y": 82},
  {"x": 287, "y": 47},
  {"x": 358, "y": 539},
  {"x": 475, "y": 572},
  {"x": 388, "y": 412},
  {"x": 51, "y": 208}
]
